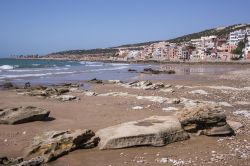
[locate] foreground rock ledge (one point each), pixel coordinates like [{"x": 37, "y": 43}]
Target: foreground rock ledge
[
  {"x": 153, "y": 131},
  {"x": 22, "y": 115},
  {"x": 54, "y": 144}
]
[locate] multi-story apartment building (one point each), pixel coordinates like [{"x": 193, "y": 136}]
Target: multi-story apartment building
[
  {"x": 239, "y": 35},
  {"x": 157, "y": 51}
]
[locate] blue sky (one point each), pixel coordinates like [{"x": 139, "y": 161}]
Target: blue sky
[{"x": 44, "y": 26}]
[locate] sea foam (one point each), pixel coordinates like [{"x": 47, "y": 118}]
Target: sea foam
[{"x": 6, "y": 67}]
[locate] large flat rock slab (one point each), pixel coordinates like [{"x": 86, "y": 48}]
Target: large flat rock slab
[
  {"x": 22, "y": 115},
  {"x": 153, "y": 131}
]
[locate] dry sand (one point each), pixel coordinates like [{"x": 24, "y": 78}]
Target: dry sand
[{"x": 95, "y": 112}]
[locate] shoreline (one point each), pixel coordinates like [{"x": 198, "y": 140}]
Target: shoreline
[{"x": 145, "y": 62}]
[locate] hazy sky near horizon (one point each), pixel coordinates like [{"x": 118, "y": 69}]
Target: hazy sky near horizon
[{"x": 44, "y": 26}]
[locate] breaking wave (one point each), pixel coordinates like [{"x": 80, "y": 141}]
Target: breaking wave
[
  {"x": 7, "y": 67},
  {"x": 34, "y": 75}
]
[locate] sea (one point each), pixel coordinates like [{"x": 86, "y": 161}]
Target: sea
[
  {"x": 38, "y": 71},
  {"x": 60, "y": 71}
]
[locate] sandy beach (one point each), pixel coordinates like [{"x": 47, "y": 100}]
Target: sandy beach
[{"x": 231, "y": 90}]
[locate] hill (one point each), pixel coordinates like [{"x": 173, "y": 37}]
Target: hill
[{"x": 220, "y": 32}]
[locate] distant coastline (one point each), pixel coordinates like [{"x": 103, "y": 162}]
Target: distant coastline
[{"x": 243, "y": 62}]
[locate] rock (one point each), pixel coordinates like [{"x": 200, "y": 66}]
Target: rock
[
  {"x": 88, "y": 93},
  {"x": 173, "y": 101},
  {"x": 167, "y": 86},
  {"x": 235, "y": 125},
  {"x": 155, "y": 86},
  {"x": 170, "y": 109},
  {"x": 114, "y": 81},
  {"x": 8, "y": 85},
  {"x": 66, "y": 97},
  {"x": 153, "y": 131},
  {"x": 243, "y": 103},
  {"x": 38, "y": 87},
  {"x": 192, "y": 103},
  {"x": 41, "y": 93},
  {"x": 46, "y": 91},
  {"x": 22, "y": 115},
  {"x": 225, "y": 104},
  {"x": 76, "y": 90},
  {"x": 137, "y": 108},
  {"x": 168, "y": 90},
  {"x": 115, "y": 94},
  {"x": 37, "y": 161},
  {"x": 157, "y": 99},
  {"x": 70, "y": 85},
  {"x": 244, "y": 113},
  {"x": 96, "y": 81},
  {"x": 153, "y": 71},
  {"x": 150, "y": 71},
  {"x": 27, "y": 85},
  {"x": 5, "y": 161},
  {"x": 132, "y": 70},
  {"x": 62, "y": 90},
  {"x": 219, "y": 130},
  {"x": 139, "y": 84},
  {"x": 180, "y": 86},
  {"x": 170, "y": 72},
  {"x": 200, "y": 92},
  {"x": 146, "y": 85},
  {"x": 54, "y": 144},
  {"x": 204, "y": 117}
]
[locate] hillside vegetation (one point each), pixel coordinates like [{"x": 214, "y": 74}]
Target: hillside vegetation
[{"x": 220, "y": 32}]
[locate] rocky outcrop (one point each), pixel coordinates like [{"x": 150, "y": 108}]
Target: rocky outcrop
[
  {"x": 204, "y": 119},
  {"x": 114, "y": 81},
  {"x": 199, "y": 91},
  {"x": 95, "y": 81},
  {"x": 153, "y": 131},
  {"x": 5, "y": 161},
  {"x": 54, "y": 144},
  {"x": 57, "y": 92},
  {"x": 235, "y": 125},
  {"x": 89, "y": 93},
  {"x": 153, "y": 71},
  {"x": 22, "y": 115},
  {"x": 66, "y": 97},
  {"x": 8, "y": 85},
  {"x": 146, "y": 85},
  {"x": 132, "y": 70},
  {"x": 44, "y": 92},
  {"x": 36, "y": 161}
]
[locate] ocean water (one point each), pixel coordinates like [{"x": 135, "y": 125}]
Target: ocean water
[{"x": 58, "y": 71}]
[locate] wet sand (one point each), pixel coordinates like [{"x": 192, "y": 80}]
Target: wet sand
[{"x": 96, "y": 112}]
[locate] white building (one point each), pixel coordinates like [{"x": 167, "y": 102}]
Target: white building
[
  {"x": 247, "y": 48},
  {"x": 237, "y": 36}
]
